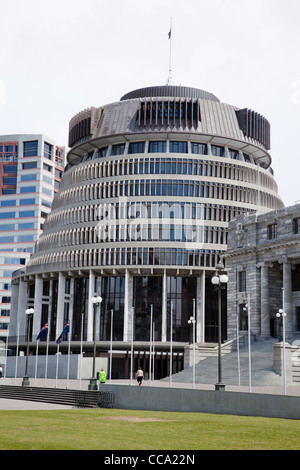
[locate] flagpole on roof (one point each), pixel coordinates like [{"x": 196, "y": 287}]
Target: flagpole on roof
[{"x": 170, "y": 80}]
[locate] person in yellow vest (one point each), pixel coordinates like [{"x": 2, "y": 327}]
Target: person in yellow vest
[{"x": 102, "y": 377}]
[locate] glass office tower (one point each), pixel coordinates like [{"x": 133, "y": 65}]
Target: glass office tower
[{"x": 31, "y": 167}]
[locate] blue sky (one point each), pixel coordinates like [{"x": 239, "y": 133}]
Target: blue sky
[{"x": 61, "y": 56}]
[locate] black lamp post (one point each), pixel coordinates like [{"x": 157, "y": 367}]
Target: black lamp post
[
  {"x": 192, "y": 321},
  {"x": 219, "y": 281},
  {"x": 29, "y": 312}
]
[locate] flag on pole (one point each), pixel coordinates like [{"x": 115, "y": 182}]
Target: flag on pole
[
  {"x": 43, "y": 332},
  {"x": 65, "y": 331},
  {"x": 170, "y": 33}
]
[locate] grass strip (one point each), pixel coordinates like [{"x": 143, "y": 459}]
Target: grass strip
[{"x": 101, "y": 429}]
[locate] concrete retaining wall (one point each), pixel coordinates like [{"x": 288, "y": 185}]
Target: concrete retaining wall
[
  {"x": 18, "y": 363},
  {"x": 203, "y": 401}
]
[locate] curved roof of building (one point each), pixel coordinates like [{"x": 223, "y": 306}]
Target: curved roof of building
[
  {"x": 170, "y": 91},
  {"x": 167, "y": 112}
]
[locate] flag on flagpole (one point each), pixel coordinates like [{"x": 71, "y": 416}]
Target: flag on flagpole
[
  {"x": 65, "y": 331},
  {"x": 170, "y": 33},
  {"x": 43, "y": 332}
]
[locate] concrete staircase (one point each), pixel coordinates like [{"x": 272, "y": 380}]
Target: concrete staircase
[{"x": 262, "y": 374}]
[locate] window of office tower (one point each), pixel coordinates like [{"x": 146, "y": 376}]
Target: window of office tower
[
  {"x": 47, "y": 150},
  {"x": 30, "y": 149}
]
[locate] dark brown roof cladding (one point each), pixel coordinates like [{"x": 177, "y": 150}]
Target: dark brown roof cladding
[{"x": 170, "y": 91}]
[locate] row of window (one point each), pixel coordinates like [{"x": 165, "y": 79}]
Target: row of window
[
  {"x": 23, "y": 226},
  {"x": 13, "y": 261},
  {"x": 134, "y": 232},
  {"x": 33, "y": 189},
  {"x": 168, "y": 147},
  {"x": 18, "y": 239},
  {"x": 169, "y": 166},
  {"x": 30, "y": 149},
  {"x": 128, "y": 256},
  {"x": 4, "y": 313},
  {"x": 9, "y": 151},
  {"x": 7, "y": 180},
  {"x": 29, "y": 189},
  {"x": 175, "y": 188},
  {"x": 10, "y": 168},
  {"x": 21, "y": 202},
  {"x": 13, "y": 215},
  {"x": 138, "y": 210},
  {"x": 49, "y": 168},
  {"x": 242, "y": 280},
  {"x": 272, "y": 229}
]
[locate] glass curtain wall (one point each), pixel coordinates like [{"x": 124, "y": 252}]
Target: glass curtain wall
[
  {"x": 113, "y": 296},
  {"x": 147, "y": 292},
  {"x": 81, "y": 298},
  {"x": 180, "y": 292},
  {"x": 211, "y": 312}
]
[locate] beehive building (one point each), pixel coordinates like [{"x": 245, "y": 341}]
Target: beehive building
[{"x": 141, "y": 219}]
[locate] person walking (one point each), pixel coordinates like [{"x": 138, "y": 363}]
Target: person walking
[
  {"x": 139, "y": 376},
  {"x": 102, "y": 377}
]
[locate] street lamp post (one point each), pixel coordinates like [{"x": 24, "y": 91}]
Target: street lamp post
[
  {"x": 246, "y": 309},
  {"x": 219, "y": 281},
  {"x": 282, "y": 314},
  {"x": 96, "y": 301},
  {"x": 28, "y": 312},
  {"x": 192, "y": 321}
]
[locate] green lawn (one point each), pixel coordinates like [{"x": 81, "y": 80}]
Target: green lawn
[{"x": 102, "y": 429}]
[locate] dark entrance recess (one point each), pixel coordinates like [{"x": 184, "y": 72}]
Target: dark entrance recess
[{"x": 211, "y": 313}]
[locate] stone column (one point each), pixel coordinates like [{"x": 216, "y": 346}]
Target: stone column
[
  {"x": 128, "y": 311},
  {"x": 60, "y": 304},
  {"x": 200, "y": 309},
  {"x": 90, "y": 309},
  {"x": 264, "y": 301},
  {"x": 38, "y": 292},
  {"x": 126, "y": 306},
  {"x": 22, "y": 306},
  {"x": 164, "y": 309},
  {"x": 13, "y": 323},
  {"x": 71, "y": 304}
]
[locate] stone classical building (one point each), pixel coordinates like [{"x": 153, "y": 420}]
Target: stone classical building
[
  {"x": 263, "y": 262},
  {"x": 141, "y": 219}
]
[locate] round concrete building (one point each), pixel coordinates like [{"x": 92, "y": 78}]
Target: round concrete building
[{"x": 141, "y": 220}]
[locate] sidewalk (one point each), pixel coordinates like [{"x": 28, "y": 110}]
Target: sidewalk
[{"x": 7, "y": 404}]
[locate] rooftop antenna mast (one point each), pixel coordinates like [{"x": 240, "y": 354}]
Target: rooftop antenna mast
[{"x": 170, "y": 79}]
